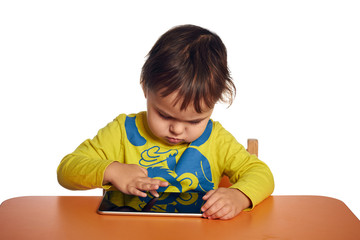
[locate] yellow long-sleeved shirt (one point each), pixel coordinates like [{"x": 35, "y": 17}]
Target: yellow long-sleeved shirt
[{"x": 196, "y": 166}]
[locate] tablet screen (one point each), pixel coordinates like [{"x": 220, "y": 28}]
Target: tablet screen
[{"x": 167, "y": 204}]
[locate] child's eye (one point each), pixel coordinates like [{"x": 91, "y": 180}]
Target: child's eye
[
  {"x": 164, "y": 117},
  {"x": 194, "y": 122}
]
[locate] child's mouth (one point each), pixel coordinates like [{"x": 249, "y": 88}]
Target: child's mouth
[{"x": 173, "y": 140}]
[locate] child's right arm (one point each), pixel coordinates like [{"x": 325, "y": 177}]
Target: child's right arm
[{"x": 96, "y": 164}]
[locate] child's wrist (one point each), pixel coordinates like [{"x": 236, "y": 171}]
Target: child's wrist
[
  {"x": 245, "y": 200},
  {"x": 109, "y": 172}
]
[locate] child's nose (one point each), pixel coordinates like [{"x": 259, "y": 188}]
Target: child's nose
[{"x": 176, "y": 128}]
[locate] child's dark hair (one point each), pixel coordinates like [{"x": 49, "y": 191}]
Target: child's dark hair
[{"x": 193, "y": 61}]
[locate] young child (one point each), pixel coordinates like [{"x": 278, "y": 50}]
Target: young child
[{"x": 174, "y": 146}]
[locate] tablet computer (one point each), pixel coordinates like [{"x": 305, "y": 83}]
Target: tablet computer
[{"x": 186, "y": 204}]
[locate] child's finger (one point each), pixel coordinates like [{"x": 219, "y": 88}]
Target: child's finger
[
  {"x": 154, "y": 193},
  {"x": 163, "y": 183},
  {"x": 137, "y": 192},
  {"x": 146, "y": 186},
  {"x": 144, "y": 170},
  {"x": 210, "y": 198},
  {"x": 208, "y": 194},
  {"x": 217, "y": 210},
  {"x": 149, "y": 184},
  {"x": 156, "y": 182},
  {"x": 212, "y": 208}
]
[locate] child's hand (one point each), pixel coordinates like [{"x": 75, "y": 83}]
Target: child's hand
[
  {"x": 224, "y": 203},
  {"x": 131, "y": 179}
]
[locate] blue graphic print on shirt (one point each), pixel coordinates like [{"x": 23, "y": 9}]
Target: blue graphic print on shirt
[
  {"x": 132, "y": 132},
  {"x": 192, "y": 172}
]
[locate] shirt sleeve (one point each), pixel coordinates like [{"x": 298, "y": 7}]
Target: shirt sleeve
[
  {"x": 85, "y": 167},
  {"x": 247, "y": 173}
]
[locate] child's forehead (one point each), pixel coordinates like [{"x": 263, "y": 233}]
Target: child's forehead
[{"x": 172, "y": 103}]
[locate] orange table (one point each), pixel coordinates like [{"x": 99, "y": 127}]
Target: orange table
[{"x": 278, "y": 217}]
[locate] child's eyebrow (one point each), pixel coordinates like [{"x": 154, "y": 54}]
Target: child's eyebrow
[{"x": 169, "y": 116}]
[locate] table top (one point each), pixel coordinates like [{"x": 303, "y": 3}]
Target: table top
[{"x": 277, "y": 217}]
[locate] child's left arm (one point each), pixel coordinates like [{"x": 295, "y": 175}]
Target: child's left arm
[{"x": 252, "y": 182}]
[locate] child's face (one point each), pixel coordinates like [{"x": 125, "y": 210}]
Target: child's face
[{"x": 171, "y": 125}]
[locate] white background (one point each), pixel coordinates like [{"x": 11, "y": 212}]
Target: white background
[{"x": 67, "y": 68}]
